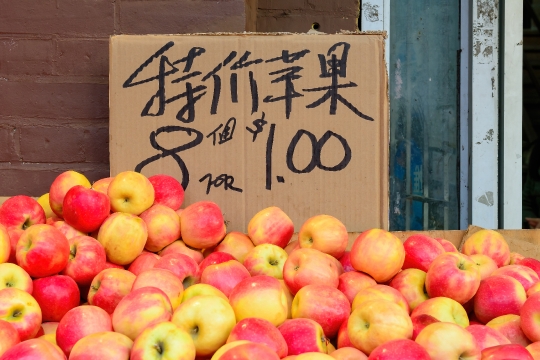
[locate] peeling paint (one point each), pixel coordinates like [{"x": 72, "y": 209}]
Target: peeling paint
[
  {"x": 477, "y": 48},
  {"x": 371, "y": 12},
  {"x": 487, "y": 10},
  {"x": 486, "y": 199},
  {"x": 489, "y": 135},
  {"x": 488, "y": 51}
]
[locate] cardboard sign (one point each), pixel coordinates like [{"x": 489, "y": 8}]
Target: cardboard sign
[{"x": 251, "y": 121}]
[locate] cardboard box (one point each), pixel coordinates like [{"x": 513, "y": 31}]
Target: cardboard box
[{"x": 249, "y": 121}]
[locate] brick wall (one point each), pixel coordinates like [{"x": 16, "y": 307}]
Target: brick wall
[
  {"x": 300, "y": 15},
  {"x": 54, "y": 78},
  {"x": 54, "y": 70}
]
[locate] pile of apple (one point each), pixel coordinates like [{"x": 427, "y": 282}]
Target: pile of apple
[{"x": 116, "y": 270}]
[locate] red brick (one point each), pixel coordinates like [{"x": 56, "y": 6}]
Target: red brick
[
  {"x": 82, "y": 57},
  {"x": 181, "y": 16},
  {"x": 50, "y": 100},
  {"x": 26, "y": 56},
  {"x": 65, "y": 17},
  {"x": 65, "y": 144},
  {"x": 36, "y": 179},
  {"x": 302, "y": 23},
  {"x": 283, "y": 4},
  {"x": 8, "y": 140}
]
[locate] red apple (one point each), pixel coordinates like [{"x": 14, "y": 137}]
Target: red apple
[
  {"x": 505, "y": 352},
  {"x": 324, "y": 233},
  {"x": 21, "y": 212},
  {"x": 532, "y": 290},
  {"x": 163, "y": 227},
  {"x": 105, "y": 345},
  {"x": 236, "y": 244},
  {"x": 293, "y": 245},
  {"x": 224, "y": 276},
  {"x": 86, "y": 259},
  {"x": 202, "y": 225},
  {"x": 168, "y": 191},
  {"x": 214, "y": 258},
  {"x": 164, "y": 280},
  {"x": 525, "y": 275},
  {"x": 61, "y": 185},
  {"x": 182, "y": 266},
  {"x": 378, "y": 247},
  {"x": 515, "y": 258},
  {"x": 9, "y": 337},
  {"x": 531, "y": 263},
  {"x": 403, "y": 349},
  {"x": 324, "y": 304},
  {"x": 14, "y": 236},
  {"x": 420, "y": 251},
  {"x": 411, "y": 283},
  {"x": 143, "y": 262},
  {"x": 345, "y": 261},
  {"x": 530, "y": 318},
  {"x": 259, "y": 331},
  {"x": 343, "y": 339},
  {"x": 56, "y": 295},
  {"x": 260, "y": 297},
  {"x": 42, "y": 251},
  {"x": 102, "y": 185},
  {"x": 350, "y": 283},
  {"x": 179, "y": 247},
  {"x": 14, "y": 276},
  {"x": 380, "y": 292},
  {"x": 109, "y": 287},
  {"x": 66, "y": 229},
  {"x": 270, "y": 226},
  {"x": 348, "y": 353},
  {"x": 444, "y": 310},
  {"x": 303, "y": 335},
  {"x": 250, "y": 351},
  {"x": 490, "y": 243},
  {"x": 22, "y": 311},
  {"x": 447, "y": 245},
  {"x": 141, "y": 309},
  {"x": 489, "y": 301},
  {"x": 34, "y": 349},
  {"x": 79, "y": 322},
  {"x": 510, "y": 327},
  {"x": 420, "y": 322},
  {"x": 310, "y": 267},
  {"x": 453, "y": 275},
  {"x": 85, "y": 209},
  {"x": 487, "y": 337}
]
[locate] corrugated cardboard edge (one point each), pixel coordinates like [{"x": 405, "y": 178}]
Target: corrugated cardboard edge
[{"x": 250, "y": 33}]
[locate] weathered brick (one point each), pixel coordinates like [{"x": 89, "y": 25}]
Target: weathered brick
[
  {"x": 282, "y": 4},
  {"x": 36, "y": 179},
  {"x": 350, "y": 7},
  {"x": 50, "y": 100},
  {"x": 82, "y": 57},
  {"x": 26, "y": 56},
  {"x": 65, "y": 17},
  {"x": 65, "y": 144},
  {"x": 8, "y": 141},
  {"x": 181, "y": 16},
  {"x": 295, "y": 22}
]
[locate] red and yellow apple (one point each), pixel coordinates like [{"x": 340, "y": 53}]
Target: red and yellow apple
[
  {"x": 202, "y": 225},
  {"x": 487, "y": 337},
  {"x": 224, "y": 276},
  {"x": 237, "y": 244},
  {"x": 9, "y": 337},
  {"x": 109, "y": 287},
  {"x": 505, "y": 352},
  {"x": 324, "y": 233},
  {"x": 350, "y": 283},
  {"x": 43, "y": 200},
  {"x": 530, "y": 318},
  {"x": 56, "y": 295},
  {"x": 259, "y": 331},
  {"x": 21, "y": 212},
  {"x": 497, "y": 296},
  {"x": 303, "y": 335},
  {"x": 403, "y": 349},
  {"x": 443, "y": 309},
  {"x": 202, "y": 289},
  {"x": 107, "y": 345},
  {"x": 102, "y": 185},
  {"x": 34, "y": 349},
  {"x": 180, "y": 247},
  {"x": 378, "y": 253},
  {"x": 266, "y": 259},
  {"x": 163, "y": 226},
  {"x": 61, "y": 185},
  {"x": 420, "y": 251},
  {"x": 380, "y": 292},
  {"x": 85, "y": 209},
  {"x": 14, "y": 276},
  {"x": 490, "y": 243},
  {"x": 443, "y": 341},
  {"x": 510, "y": 327},
  {"x": 486, "y": 265},
  {"x": 270, "y": 226},
  {"x": 145, "y": 261},
  {"x": 525, "y": 275},
  {"x": 168, "y": 191},
  {"x": 184, "y": 267},
  {"x": 164, "y": 280},
  {"x": 86, "y": 259},
  {"x": 164, "y": 340},
  {"x": 411, "y": 283},
  {"x": 130, "y": 192}
]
